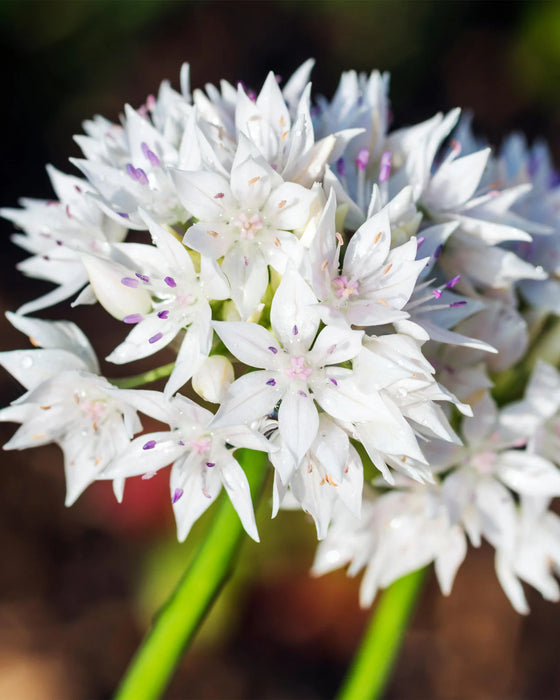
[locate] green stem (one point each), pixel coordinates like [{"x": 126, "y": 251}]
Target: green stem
[
  {"x": 374, "y": 661},
  {"x": 176, "y": 624},
  {"x": 151, "y": 375}
]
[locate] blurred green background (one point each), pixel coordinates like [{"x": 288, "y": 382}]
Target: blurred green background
[{"x": 79, "y": 586}]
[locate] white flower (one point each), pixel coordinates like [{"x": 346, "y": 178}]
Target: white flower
[
  {"x": 292, "y": 372},
  {"x": 331, "y": 472},
  {"x": 128, "y": 164},
  {"x": 67, "y": 403},
  {"x": 249, "y": 220},
  {"x": 535, "y": 556},
  {"x": 375, "y": 282},
  {"x": 202, "y": 456},
  {"x": 164, "y": 296},
  {"x": 56, "y": 233},
  {"x": 492, "y": 463},
  {"x": 399, "y": 532}
]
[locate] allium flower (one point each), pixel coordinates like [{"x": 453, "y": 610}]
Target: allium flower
[
  {"x": 56, "y": 233},
  {"x": 249, "y": 220},
  {"x": 202, "y": 457},
  {"x": 67, "y": 402},
  {"x": 291, "y": 371},
  {"x": 167, "y": 296}
]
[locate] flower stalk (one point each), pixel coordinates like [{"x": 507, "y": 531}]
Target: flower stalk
[
  {"x": 376, "y": 656},
  {"x": 176, "y": 624}
]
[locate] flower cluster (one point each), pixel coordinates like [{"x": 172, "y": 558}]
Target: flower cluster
[{"x": 335, "y": 294}]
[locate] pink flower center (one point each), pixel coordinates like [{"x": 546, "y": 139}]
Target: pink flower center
[
  {"x": 201, "y": 446},
  {"x": 345, "y": 289},
  {"x": 93, "y": 409},
  {"x": 249, "y": 225},
  {"x": 298, "y": 369},
  {"x": 484, "y": 462}
]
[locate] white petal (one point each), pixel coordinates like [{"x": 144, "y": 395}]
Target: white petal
[
  {"x": 293, "y": 316},
  {"x": 146, "y": 338},
  {"x": 237, "y": 487},
  {"x": 248, "y": 398},
  {"x": 511, "y": 584},
  {"x": 33, "y": 367},
  {"x": 289, "y": 206},
  {"x": 250, "y": 343},
  {"x": 298, "y": 422},
  {"x": 367, "y": 250},
  {"x": 197, "y": 190},
  {"x": 451, "y": 553},
  {"x": 455, "y": 182},
  {"x": 247, "y": 273},
  {"x": 61, "y": 335},
  {"x": 251, "y": 184},
  {"x": 117, "y": 298},
  {"x": 199, "y": 485},
  {"x": 141, "y": 457},
  {"x": 334, "y": 345},
  {"x": 528, "y": 474}
]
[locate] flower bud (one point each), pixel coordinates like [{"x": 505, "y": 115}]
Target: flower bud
[{"x": 212, "y": 378}]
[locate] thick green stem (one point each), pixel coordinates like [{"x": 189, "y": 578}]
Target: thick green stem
[
  {"x": 151, "y": 375},
  {"x": 176, "y": 624},
  {"x": 374, "y": 661}
]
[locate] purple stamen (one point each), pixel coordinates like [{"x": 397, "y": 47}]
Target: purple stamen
[
  {"x": 141, "y": 176},
  {"x": 181, "y": 443},
  {"x": 363, "y": 159},
  {"x": 419, "y": 241},
  {"x": 155, "y": 338},
  {"x": 295, "y": 330},
  {"x": 133, "y": 318},
  {"x": 333, "y": 381},
  {"x": 455, "y": 304},
  {"x": 149, "y": 445},
  {"x": 341, "y": 167},
  {"x": 163, "y": 314},
  {"x": 170, "y": 282},
  {"x": 436, "y": 293},
  {"x": 271, "y": 382},
  {"x": 136, "y": 174},
  {"x": 177, "y": 495},
  {"x": 385, "y": 167},
  {"x": 302, "y": 393},
  {"x": 453, "y": 281},
  {"x": 130, "y": 282},
  {"x": 437, "y": 251},
  {"x": 123, "y": 214},
  {"x": 142, "y": 277},
  {"x": 210, "y": 464},
  {"x": 150, "y": 155},
  {"x": 273, "y": 349}
]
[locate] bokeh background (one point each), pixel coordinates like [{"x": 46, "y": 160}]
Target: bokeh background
[{"x": 78, "y": 586}]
